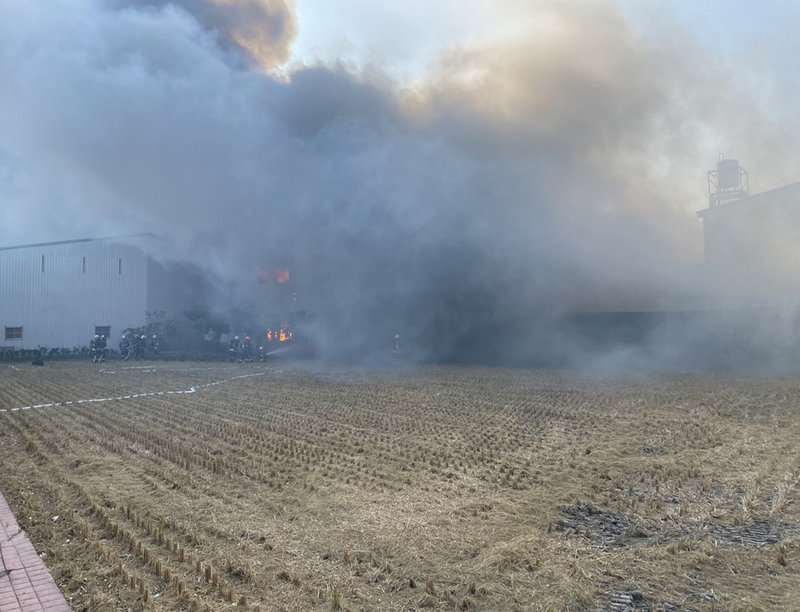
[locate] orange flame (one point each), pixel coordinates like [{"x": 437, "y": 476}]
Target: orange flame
[
  {"x": 284, "y": 334},
  {"x": 280, "y": 276}
]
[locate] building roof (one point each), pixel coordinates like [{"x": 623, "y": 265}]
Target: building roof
[
  {"x": 110, "y": 238},
  {"x": 773, "y": 196}
]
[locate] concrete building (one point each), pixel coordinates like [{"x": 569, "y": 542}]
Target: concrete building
[
  {"x": 59, "y": 294},
  {"x": 752, "y": 242}
]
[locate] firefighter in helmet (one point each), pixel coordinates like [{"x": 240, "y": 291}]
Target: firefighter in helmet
[
  {"x": 101, "y": 348},
  {"x": 125, "y": 346},
  {"x": 94, "y": 345},
  {"x": 233, "y": 348},
  {"x": 138, "y": 346},
  {"x": 247, "y": 349}
]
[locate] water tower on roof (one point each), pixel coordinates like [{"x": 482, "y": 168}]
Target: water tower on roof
[{"x": 727, "y": 183}]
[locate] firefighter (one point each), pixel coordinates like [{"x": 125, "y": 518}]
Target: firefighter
[
  {"x": 138, "y": 346},
  {"x": 94, "y": 345},
  {"x": 247, "y": 349},
  {"x": 125, "y": 346},
  {"x": 101, "y": 348},
  {"x": 233, "y": 349}
]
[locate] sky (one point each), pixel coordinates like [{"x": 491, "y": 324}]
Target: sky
[{"x": 441, "y": 167}]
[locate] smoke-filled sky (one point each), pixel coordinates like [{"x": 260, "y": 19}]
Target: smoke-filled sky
[{"x": 441, "y": 167}]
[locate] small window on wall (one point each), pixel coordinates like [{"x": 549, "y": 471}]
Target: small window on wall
[
  {"x": 102, "y": 330},
  {"x": 13, "y": 333}
]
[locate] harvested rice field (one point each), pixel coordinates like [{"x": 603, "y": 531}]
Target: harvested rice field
[{"x": 280, "y": 486}]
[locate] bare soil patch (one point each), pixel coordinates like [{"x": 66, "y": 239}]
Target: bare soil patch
[{"x": 289, "y": 487}]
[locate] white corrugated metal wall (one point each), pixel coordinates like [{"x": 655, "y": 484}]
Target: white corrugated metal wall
[{"x": 59, "y": 292}]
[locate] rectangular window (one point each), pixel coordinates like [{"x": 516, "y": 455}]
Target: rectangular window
[
  {"x": 102, "y": 330},
  {"x": 42, "y": 263},
  {"x": 13, "y": 333},
  {"x": 84, "y": 265},
  {"x": 120, "y": 265}
]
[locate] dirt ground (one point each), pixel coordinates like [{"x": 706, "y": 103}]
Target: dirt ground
[{"x": 279, "y": 486}]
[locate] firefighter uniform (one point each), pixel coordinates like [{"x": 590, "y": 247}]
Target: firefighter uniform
[
  {"x": 94, "y": 347},
  {"x": 101, "y": 348},
  {"x": 233, "y": 349}
]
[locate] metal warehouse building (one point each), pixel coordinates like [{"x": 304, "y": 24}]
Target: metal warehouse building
[{"x": 59, "y": 294}]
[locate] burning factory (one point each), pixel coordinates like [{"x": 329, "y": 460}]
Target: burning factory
[
  {"x": 740, "y": 305},
  {"x": 60, "y": 294}
]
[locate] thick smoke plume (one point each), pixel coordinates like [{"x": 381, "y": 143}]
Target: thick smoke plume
[{"x": 521, "y": 181}]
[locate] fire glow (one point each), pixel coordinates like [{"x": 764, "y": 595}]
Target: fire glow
[{"x": 280, "y": 276}]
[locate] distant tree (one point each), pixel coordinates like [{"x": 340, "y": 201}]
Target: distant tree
[
  {"x": 243, "y": 319},
  {"x": 209, "y": 327},
  {"x": 159, "y": 323}
]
